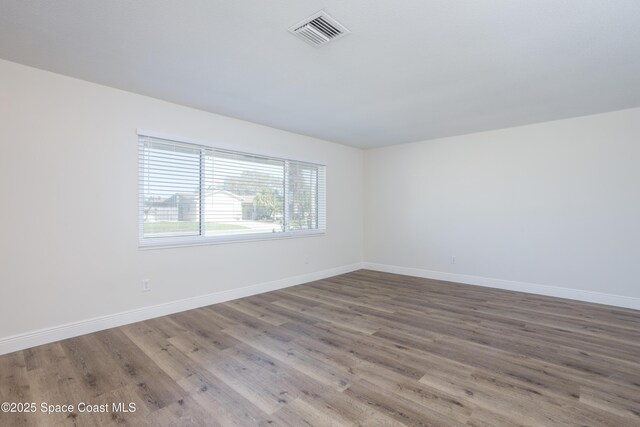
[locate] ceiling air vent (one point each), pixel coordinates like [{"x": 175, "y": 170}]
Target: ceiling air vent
[{"x": 319, "y": 29}]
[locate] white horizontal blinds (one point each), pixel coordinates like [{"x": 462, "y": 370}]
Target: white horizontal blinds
[
  {"x": 169, "y": 188},
  {"x": 304, "y": 196},
  {"x": 190, "y": 192},
  {"x": 244, "y": 193},
  {"x": 322, "y": 198}
]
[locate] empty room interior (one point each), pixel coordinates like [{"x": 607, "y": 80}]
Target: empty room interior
[{"x": 320, "y": 213}]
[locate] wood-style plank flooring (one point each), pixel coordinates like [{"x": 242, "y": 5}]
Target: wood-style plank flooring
[{"x": 364, "y": 348}]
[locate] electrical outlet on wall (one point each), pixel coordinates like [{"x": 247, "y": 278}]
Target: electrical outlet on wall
[
  {"x": 453, "y": 259},
  {"x": 146, "y": 285},
  {"x": 306, "y": 260}
]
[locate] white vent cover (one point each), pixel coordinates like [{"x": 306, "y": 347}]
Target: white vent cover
[{"x": 319, "y": 29}]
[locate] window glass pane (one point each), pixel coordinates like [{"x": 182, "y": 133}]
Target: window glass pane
[
  {"x": 170, "y": 185},
  {"x": 243, "y": 194},
  {"x": 194, "y": 193},
  {"x": 302, "y": 196}
]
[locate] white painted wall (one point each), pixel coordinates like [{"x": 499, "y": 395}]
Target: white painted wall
[
  {"x": 554, "y": 204},
  {"x": 68, "y": 183}
]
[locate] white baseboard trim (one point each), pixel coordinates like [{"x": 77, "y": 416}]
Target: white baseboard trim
[
  {"x": 511, "y": 285},
  {"x": 69, "y": 330}
]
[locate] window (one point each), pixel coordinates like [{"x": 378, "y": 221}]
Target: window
[{"x": 195, "y": 194}]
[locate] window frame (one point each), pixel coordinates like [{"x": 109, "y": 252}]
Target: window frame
[{"x": 202, "y": 239}]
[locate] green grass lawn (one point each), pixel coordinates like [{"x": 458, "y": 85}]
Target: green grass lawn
[{"x": 187, "y": 226}]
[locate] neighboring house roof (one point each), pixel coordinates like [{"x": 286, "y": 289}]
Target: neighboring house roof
[
  {"x": 171, "y": 201},
  {"x": 192, "y": 198},
  {"x": 228, "y": 193}
]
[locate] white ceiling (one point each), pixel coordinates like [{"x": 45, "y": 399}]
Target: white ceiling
[{"x": 411, "y": 69}]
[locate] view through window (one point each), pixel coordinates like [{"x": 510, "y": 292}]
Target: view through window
[{"x": 190, "y": 192}]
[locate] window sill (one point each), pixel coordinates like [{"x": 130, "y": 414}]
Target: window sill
[{"x": 176, "y": 242}]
